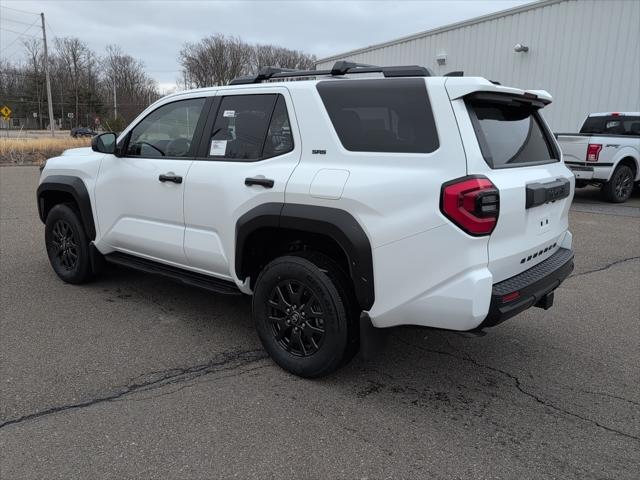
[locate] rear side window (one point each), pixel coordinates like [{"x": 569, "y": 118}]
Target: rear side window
[
  {"x": 510, "y": 134},
  {"x": 381, "y": 115},
  {"x": 251, "y": 127},
  {"x": 612, "y": 125}
]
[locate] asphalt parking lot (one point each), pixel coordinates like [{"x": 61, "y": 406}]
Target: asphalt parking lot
[{"x": 133, "y": 376}]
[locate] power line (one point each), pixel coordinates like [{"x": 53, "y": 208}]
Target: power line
[
  {"x": 19, "y": 35},
  {"x": 23, "y": 34},
  {"x": 55, "y": 35},
  {"x": 14, "y": 21},
  {"x": 18, "y": 10}
]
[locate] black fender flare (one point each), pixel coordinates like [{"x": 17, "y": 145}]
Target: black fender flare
[
  {"x": 335, "y": 223},
  {"x": 77, "y": 189}
]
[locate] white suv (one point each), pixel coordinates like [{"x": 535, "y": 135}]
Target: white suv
[{"x": 362, "y": 196}]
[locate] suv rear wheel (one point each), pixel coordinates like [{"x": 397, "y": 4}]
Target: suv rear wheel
[
  {"x": 67, "y": 244},
  {"x": 619, "y": 188},
  {"x": 304, "y": 313}
]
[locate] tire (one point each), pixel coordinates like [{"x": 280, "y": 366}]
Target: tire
[
  {"x": 581, "y": 183},
  {"x": 305, "y": 314},
  {"x": 620, "y": 187},
  {"x": 67, "y": 244}
]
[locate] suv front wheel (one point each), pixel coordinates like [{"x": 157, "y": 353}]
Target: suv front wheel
[
  {"x": 67, "y": 244},
  {"x": 304, "y": 313}
]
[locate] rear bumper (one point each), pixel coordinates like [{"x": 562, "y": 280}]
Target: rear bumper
[
  {"x": 586, "y": 171},
  {"x": 531, "y": 287}
]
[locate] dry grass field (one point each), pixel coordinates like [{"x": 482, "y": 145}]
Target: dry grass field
[{"x": 34, "y": 151}]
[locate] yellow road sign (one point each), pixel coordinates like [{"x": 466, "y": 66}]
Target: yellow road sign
[{"x": 5, "y": 112}]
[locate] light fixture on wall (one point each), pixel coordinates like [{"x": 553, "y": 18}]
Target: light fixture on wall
[
  {"x": 520, "y": 48},
  {"x": 441, "y": 59}
]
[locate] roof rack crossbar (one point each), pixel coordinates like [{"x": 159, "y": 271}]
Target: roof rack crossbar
[{"x": 339, "y": 68}]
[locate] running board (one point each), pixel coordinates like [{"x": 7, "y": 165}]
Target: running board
[{"x": 185, "y": 276}]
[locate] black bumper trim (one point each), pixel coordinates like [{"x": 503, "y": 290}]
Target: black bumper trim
[
  {"x": 571, "y": 164},
  {"x": 533, "y": 285}
]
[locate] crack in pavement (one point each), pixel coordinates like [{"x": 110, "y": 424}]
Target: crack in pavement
[
  {"x": 606, "y": 267},
  {"x": 189, "y": 385},
  {"x": 146, "y": 382},
  {"x": 604, "y": 394},
  {"x": 519, "y": 387}
]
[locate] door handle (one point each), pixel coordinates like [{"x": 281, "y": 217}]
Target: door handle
[
  {"x": 170, "y": 177},
  {"x": 263, "y": 182}
]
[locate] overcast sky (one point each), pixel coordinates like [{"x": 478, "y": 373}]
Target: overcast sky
[{"x": 155, "y": 30}]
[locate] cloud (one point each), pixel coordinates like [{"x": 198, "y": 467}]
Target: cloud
[{"x": 155, "y": 30}]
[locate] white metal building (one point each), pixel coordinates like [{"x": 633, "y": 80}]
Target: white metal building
[{"x": 586, "y": 53}]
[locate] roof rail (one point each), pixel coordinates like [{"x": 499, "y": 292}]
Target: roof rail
[
  {"x": 339, "y": 68},
  {"x": 455, "y": 73}
]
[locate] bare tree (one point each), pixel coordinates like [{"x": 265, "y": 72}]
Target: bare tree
[
  {"x": 125, "y": 76},
  {"x": 218, "y": 59},
  {"x": 74, "y": 55},
  {"x": 34, "y": 74}
]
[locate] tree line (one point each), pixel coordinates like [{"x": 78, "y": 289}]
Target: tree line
[
  {"x": 84, "y": 83},
  {"x": 218, "y": 59}
]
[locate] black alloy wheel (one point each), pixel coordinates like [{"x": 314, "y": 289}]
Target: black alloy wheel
[
  {"x": 297, "y": 318},
  {"x": 67, "y": 244},
  {"x": 306, "y": 314},
  {"x": 64, "y": 245},
  {"x": 619, "y": 188},
  {"x": 624, "y": 184}
]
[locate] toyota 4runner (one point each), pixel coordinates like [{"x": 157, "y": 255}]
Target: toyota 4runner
[{"x": 359, "y": 197}]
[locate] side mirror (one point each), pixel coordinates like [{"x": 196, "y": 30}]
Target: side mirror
[{"x": 104, "y": 143}]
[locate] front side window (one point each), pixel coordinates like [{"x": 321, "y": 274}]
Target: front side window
[
  {"x": 510, "y": 135},
  {"x": 250, "y": 128},
  {"x": 381, "y": 115},
  {"x": 167, "y": 131}
]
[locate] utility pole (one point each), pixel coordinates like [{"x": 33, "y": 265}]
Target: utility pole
[
  {"x": 115, "y": 101},
  {"x": 46, "y": 72}
]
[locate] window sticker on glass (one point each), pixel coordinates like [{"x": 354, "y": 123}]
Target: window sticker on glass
[
  {"x": 229, "y": 113},
  {"x": 218, "y": 148}
]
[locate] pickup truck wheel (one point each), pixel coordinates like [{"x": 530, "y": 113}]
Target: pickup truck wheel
[
  {"x": 67, "y": 244},
  {"x": 619, "y": 188},
  {"x": 303, "y": 316}
]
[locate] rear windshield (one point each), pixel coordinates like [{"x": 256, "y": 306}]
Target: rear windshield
[
  {"x": 381, "y": 115},
  {"x": 511, "y": 134},
  {"x": 612, "y": 125}
]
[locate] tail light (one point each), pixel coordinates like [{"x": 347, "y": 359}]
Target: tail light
[
  {"x": 593, "y": 152},
  {"x": 472, "y": 203}
]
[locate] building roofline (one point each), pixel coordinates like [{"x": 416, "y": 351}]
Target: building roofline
[{"x": 445, "y": 28}]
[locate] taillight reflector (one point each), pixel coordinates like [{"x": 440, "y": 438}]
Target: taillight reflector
[
  {"x": 472, "y": 203},
  {"x": 510, "y": 296},
  {"x": 593, "y": 152}
]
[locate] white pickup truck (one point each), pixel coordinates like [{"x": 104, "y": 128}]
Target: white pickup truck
[{"x": 606, "y": 152}]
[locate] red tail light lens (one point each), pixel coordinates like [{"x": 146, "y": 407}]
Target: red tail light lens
[
  {"x": 472, "y": 203},
  {"x": 593, "y": 152}
]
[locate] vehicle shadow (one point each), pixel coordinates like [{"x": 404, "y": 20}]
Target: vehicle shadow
[{"x": 414, "y": 366}]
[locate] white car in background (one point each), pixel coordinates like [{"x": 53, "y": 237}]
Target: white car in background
[{"x": 606, "y": 153}]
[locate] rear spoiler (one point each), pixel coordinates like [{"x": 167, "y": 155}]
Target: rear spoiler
[
  {"x": 466, "y": 87},
  {"x": 510, "y": 99}
]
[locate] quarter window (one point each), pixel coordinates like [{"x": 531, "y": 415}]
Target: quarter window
[
  {"x": 167, "y": 131},
  {"x": 251, "y": 127},
  {"x": 381, "y": 115}
]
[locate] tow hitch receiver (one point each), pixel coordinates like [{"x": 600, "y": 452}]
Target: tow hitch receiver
[{"x": 545, "y": 302}]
